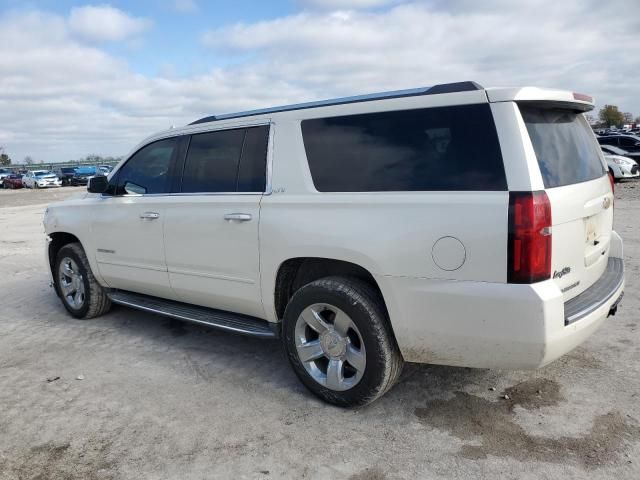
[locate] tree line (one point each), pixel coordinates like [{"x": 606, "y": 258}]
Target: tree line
[{"x": 5, "y": 159}]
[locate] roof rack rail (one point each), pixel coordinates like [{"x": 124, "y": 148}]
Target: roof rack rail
[{"x": 412, "y": 92}]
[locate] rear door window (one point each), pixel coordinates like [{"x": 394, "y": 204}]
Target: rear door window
[
  {"x": 564, "y": 145},
  {"x": 227, "y": 161},
  {"x": 252, "y": 172},
  {"x": 212, "y": 161},
  {"x": 433, "y": 149}
]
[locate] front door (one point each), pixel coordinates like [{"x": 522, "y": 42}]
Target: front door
[
  {"x": 211, "y": 225},
  {"x": 127, "y": 225}
]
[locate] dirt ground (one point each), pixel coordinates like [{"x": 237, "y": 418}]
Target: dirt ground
[{"x": 133, "y": 395}]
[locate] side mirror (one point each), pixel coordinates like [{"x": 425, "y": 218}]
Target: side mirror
[{"x": 97, "y": 184}]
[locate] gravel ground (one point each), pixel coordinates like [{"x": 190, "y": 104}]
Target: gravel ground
[{"x": 133, "y": 395}]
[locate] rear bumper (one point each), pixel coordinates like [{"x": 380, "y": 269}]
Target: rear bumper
[{"x": 492, "y": 325}]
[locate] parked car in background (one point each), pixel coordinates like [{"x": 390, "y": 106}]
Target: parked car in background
[
  {"x": 612, "y": 150},
  {"x": 630, "y": 143},
  {"x": 81, "y": 175},
  {"x": 105, "y": 169},
  {"x": 13, "y": 180},
  {"x": 621, "y": 167},
  {"x": 41, "y": 179},
  {"x": 65, "y": 174},
  {"x": 3, "y": 174}
]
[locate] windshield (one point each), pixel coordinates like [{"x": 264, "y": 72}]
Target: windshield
[
  {"x": 41, "y": 173},
  {"x": 565, "y": 147}
]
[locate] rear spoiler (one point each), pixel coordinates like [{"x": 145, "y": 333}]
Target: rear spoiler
[{"x": 562, "y": 98}]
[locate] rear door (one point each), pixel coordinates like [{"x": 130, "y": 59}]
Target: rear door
[
  {"x": 211, "y": 225},
  {"x": 574, "y": 175}
]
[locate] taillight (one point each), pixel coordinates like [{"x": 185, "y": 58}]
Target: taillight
[
  {"x": 529, "y": 253},
  {"x": 612, "y": 182}
]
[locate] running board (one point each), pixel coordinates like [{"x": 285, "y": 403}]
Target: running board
[{"x": 230, "y": 322}]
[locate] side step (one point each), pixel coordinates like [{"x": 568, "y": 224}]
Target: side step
[{"x": 230, "y": 322}]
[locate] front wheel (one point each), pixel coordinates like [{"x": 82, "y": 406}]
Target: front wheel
[
  {"x": 339, "y": 341},
  {"x": 81, "y": 294}
]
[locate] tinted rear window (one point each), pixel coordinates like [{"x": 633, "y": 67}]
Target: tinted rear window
[
  {"x": 212, "y": 161},
  {"x": 252, "y": 172},
  {"x": 227, "y": 161},
  {"x": 449, "y": 148},
  {"x": 564, "y": 145}
]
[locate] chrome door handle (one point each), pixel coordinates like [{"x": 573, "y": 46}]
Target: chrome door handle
[
  {"x": 239, "y": 217},
  {"x": 149, "y": 215}
]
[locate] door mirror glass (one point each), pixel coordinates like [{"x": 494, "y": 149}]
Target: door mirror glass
[
  {"x": 97, "y": 184},
  {"x": 133, "y": 189}
]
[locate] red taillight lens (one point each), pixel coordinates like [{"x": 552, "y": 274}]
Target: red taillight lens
[
  {"x": 529, "y": 237},
  {"x": 612, "y": 182}
]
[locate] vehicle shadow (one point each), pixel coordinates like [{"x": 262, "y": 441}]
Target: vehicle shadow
[{"x": 258, "y": 364}]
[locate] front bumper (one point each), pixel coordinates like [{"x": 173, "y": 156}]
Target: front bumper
[
  {"x": 624, "y": 171},
  {"x": 491, "y": 325}
]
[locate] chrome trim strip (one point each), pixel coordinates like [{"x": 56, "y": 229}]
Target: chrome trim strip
[
  {"x": 212, "y": 275},
  {"x": 270, "y": 147},
  {"x": 132, "y": 265}
]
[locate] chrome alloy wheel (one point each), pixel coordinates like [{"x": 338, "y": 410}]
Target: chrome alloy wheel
[
  {"x": 71, "y": 283},
  {"x": 330, "y": 347}
]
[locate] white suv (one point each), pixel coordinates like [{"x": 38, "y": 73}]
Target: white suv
[{"x": 454, "y": 225}]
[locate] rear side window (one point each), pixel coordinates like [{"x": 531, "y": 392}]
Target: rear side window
[
  {"x": 608, "y": 141},
  {"x": 227, "y": 161},
  {"x": 252, "y": 172},
  {"x": 444, "y": 148},
  {"x": 564, "y": 146}
]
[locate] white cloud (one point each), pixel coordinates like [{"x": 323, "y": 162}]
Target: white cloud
[
  {"x": 102, "y": 23},
  {"x": 186, "y": 6},
  {"x": 63, "y": 98},
  {"x": 573, "y": 45}
]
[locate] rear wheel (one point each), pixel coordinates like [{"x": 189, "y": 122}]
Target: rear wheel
[
  {"x": 339, "y": 341},
  {"x": 81, "y": 294}
]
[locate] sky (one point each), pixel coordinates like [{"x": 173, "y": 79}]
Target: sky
[{"x": 81, "y": 78}]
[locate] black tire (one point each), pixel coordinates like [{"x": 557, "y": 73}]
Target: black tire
[
  {"x": 366, "y": 309},
  {"x": 96, "y": 302}
]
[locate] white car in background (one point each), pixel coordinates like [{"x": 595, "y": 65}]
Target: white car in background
[
  {"x": 41, "y": 179},
  {"x": 621, "y": 167}
]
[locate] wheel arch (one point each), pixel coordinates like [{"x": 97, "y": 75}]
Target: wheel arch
[
  {"x": 56, "y": 242},
  {"x": 296, "y": 272}
]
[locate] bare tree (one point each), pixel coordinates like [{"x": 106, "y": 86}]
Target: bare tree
[{"x": 28, "y": 160}]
